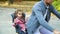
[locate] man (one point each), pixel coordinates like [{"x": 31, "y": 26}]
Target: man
[{"x": 40, "y": 17}]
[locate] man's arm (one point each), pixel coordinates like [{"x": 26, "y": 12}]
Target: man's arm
[
  {"x": 55, "y": 12},
  {"x": 40, "y": 18}
]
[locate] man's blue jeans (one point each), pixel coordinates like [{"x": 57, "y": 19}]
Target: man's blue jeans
[
  {"x": 45, "y": 31},
  {"x": 41, "y": 30}
]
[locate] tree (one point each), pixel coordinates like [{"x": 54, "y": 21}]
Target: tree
[{"x": 56, "y": 4}]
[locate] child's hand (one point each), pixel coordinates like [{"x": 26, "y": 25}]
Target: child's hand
[{"x": 14, "y": 20}]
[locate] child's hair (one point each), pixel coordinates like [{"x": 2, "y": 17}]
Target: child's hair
[{"x": 16, "y": 12}]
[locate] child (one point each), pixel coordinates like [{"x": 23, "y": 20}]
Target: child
[{"x": 20, "y": 22}]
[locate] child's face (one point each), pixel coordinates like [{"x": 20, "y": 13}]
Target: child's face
[{"x": 19, "y": 14}]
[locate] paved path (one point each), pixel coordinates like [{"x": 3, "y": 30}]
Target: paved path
[{"x": 5, "y": 21}]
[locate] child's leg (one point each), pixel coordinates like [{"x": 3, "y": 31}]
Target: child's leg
[
  {"x": 21, "y": 32},
  {"x": 17, "y": 28},
  {"x": 26, "y": 31},
  {"x": 45, "y": 31}
]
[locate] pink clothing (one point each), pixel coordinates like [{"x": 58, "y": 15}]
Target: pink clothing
[{"x": 20, "y": 23}]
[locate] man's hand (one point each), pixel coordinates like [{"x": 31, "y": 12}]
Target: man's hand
[{"x": 56, "y": 32}]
